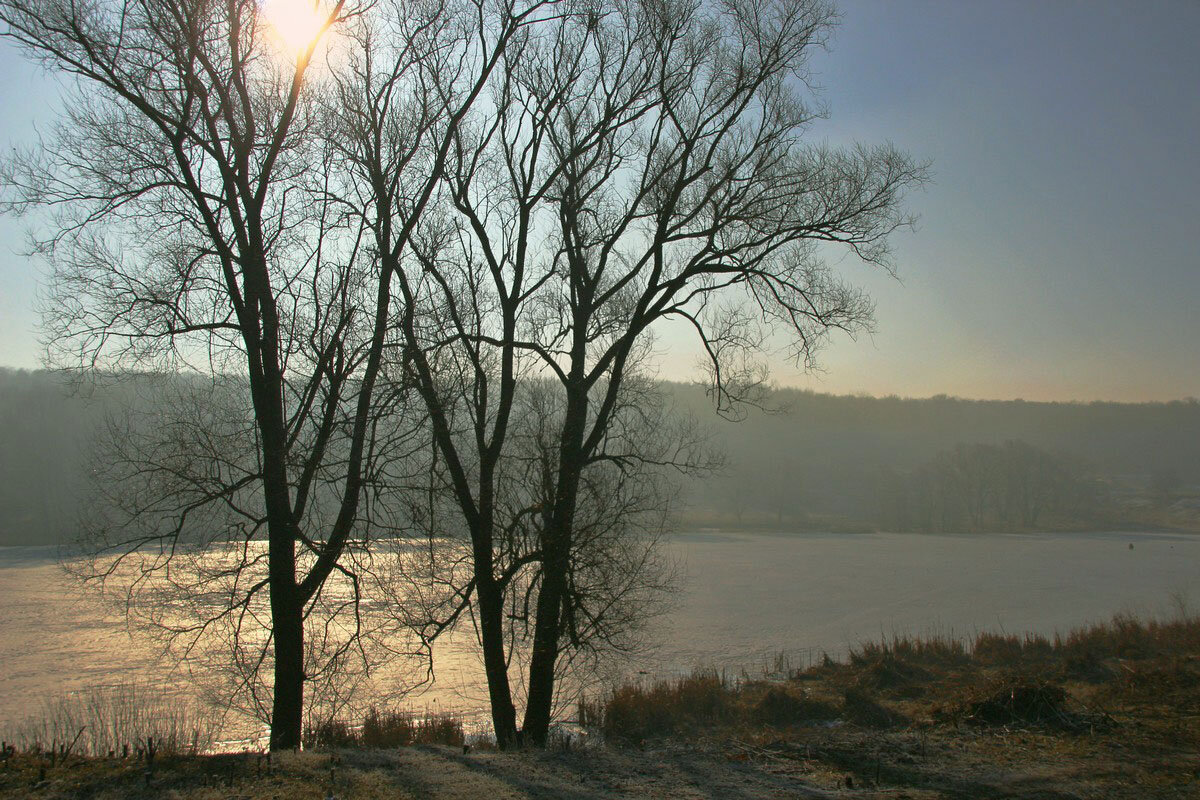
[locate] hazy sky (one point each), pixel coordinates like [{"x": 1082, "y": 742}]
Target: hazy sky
[{"x": 1056, "y": 253}]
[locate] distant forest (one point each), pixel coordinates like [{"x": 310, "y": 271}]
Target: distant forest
[{"x": 815, "y": 461}]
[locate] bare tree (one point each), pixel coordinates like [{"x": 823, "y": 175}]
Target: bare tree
[
  {"x": 681, "y": 189},
  {"x": 620, "y": 577},
  {"x": 634, "y": 162},
  {"x": 467, "y": 393},
  {"x": 540, "y": 184},
  {"x": 194, "y": 228},
  {"x": 617, "y": 577}
]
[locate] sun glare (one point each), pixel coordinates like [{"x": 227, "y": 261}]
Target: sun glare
[{"x": 297, "y": 23}]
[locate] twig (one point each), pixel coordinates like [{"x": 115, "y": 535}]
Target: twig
[{"x": 71, "y": 746}]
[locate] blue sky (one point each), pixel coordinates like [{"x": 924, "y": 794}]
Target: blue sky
[
  {"x": 27, "y": 99},
  {"x": 1056, "y": 253}
]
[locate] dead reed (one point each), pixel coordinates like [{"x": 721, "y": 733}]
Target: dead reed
[
  {"x": 383, "y": 728},
  {"x": 117, "y": 720}
]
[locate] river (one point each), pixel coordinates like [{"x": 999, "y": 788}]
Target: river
[{"x": 745, "y": 598}]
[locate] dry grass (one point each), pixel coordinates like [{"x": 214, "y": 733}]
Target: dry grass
[
  {"x": 1075, "y": 654},
  {"x": 659, "y": 708},
  {"x": 244, "y": 776},
  {"x": 882, "y": 684},
  {"x": 939, "y": 651},
  {"x": 383, "y": 728},
  {"x": 778, "y": 706},
  {"x": 1109, "y": 711},
  {"x": 116, "y": 720}
]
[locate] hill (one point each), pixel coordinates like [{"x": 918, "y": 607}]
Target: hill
[{"x": 815, "y": 459}]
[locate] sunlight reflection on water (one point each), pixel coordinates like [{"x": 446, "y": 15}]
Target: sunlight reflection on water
[{"x": 746, "y": 598}]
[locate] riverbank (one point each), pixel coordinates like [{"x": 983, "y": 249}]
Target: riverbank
[
  {"x": 1110, "y": 711},
  {"x": 1107, "y": 711}
]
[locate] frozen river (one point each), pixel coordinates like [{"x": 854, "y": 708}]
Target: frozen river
[{"x": 745, "y": 598}]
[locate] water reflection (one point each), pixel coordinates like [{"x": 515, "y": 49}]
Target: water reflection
[{"x": 746, "y": 598}]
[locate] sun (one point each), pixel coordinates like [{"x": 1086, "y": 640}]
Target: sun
[{"x": 297, "y": 23}]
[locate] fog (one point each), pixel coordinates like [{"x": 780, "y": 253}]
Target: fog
[{"x": 810, "y": 462}]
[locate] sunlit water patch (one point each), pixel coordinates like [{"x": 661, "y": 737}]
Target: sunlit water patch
[{"x": 745, "y": 598}]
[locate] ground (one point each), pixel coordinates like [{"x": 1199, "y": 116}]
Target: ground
[
  {"x": 437, "y": 771},
  {"x": 1108, "y": 713},
  {"x": 1134, "y": 758}
]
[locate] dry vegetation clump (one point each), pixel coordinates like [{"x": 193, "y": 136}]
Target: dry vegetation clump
[
  {"x": 1111, "y": 710},
  {"x": 861, "y": 707},
  {"x": 779, "y": 707},
  {"x": 1006, "y": 649},
  {"x": 890, "y": 673},
  {"x": 1171, "y": 679},
  {"x": 682, "y": 705},
  {"x": 120, "y": 719},
  {"x": 384, "y": 728},
  {"x": 931, "y": 651},
  {"x": 1130, "y": 638},
  {"x": 705, "y": 702},
  {"x": 1017, "y": 702}
]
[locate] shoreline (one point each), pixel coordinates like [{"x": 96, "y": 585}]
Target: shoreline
[
  {"x": 1107, "y": 711},
  {"x": 744, "y": 596}
]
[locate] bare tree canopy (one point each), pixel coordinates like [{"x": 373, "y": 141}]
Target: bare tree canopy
[
  {"x": 481, "y": 210},
  {"x": 194, "y": 228},
  {"x": 632, "y": 162}
]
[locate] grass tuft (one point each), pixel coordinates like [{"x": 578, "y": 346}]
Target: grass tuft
[
  {"x": 121, "y": 719},
  {"x": 661, "y": 707},
  {"x": 383, "y": 728}
]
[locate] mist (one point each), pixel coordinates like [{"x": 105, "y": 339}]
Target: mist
[{"x": 806, "y": 461}]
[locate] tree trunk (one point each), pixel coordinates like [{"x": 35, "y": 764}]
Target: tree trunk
[
  {"x": 287, "y": 618},
  {"x": 491, "y": 633},
  {"x": 556, "y": 548},
  {"x": 545, "y": 650}
]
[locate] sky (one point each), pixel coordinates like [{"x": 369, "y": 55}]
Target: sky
[{"x": 1055, "y": 255}]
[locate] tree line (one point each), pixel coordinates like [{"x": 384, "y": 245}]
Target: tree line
[
  {"x": 980, "y": 487},
  {"x": 831, "y": 461},
  {"x": 821, "y": 460}
]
